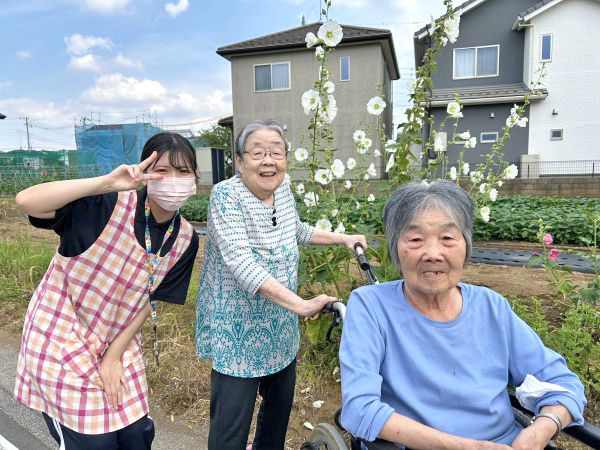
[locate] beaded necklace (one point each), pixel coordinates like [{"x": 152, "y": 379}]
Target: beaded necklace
[{"x": 152, "y": 262}]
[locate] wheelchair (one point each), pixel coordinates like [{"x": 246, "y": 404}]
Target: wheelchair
[{"x": 327, "y": 437}]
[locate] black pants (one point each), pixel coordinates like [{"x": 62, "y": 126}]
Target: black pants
[
  {"x": 136, "y": 436},
  {"x": 232, "y": 405}
]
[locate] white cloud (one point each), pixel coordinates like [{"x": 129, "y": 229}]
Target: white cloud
[
  {"x": 86, "y": 62},
  {"x": 23, "y": 54},
  {"x": 106, "y": 6},
  {"x": 115, "y": 88},
  {"x": 122, "y": 61},
  {"x": 5, "y": 85},
  {"x": 78, "y": 44},
  {"x": 174, "y": 9}
]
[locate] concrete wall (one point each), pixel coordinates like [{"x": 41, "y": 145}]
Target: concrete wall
[
  {"x": 555, "y": 187},
  {"x": 487, "y": 24},
  {"x": 573, "y": 82},
  {"x": 366, "y": 71}
]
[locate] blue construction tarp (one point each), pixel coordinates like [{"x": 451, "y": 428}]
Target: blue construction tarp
[{"x": 108, "y": 146}]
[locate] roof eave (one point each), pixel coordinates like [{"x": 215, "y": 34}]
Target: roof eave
[{"x": 491, "y": 100}]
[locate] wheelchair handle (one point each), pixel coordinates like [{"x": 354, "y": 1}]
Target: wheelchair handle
[
  {"x": 363, "y": 263},
  {"x": 339, "y": 311}
]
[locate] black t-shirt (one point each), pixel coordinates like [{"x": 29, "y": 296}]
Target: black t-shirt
[{"x": 80, "y": 223}]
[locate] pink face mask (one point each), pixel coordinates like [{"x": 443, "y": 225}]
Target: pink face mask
[{"x": 171, "y": 193}]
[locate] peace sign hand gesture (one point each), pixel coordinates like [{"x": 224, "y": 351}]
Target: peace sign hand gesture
[{"x": 128, "y": 177}]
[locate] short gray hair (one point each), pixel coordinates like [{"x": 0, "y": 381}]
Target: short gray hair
[
  {"x": 253, "y": 126},
  {"x": 413, "y": 198}
]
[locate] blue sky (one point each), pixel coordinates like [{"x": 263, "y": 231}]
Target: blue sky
[{"x": 115, "y": 60}]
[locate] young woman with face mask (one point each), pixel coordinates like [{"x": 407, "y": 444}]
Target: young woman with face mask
[{"x": 120, "y": 250}]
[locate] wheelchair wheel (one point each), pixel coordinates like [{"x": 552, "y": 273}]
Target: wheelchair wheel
[{"x": 324, "y": 437}]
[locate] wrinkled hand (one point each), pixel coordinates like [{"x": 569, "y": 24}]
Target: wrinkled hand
[
  {"x": 128, "y": 177},
  {"x": 114, "y": 382},
  {"x": 533, "y": 437},
  {"x": 352, "y": 239},
  {"x": 313, "y": 306}
]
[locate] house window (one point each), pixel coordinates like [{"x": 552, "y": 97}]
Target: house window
[
  {"x": 272, "y": 77},
  {"x": 476, "y": 62},
  {"x": 488, "y": 137},
  {"x": 344, "y": 68},
  {"x": 556, "y": 135},
  {"x": 546, "y": 48}
]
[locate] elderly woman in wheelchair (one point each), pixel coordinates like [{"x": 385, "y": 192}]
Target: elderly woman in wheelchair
[{"x": 426, "y": 360}]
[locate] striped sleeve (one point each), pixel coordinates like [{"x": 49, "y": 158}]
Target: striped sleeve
[{"x": 226, "y": 224}]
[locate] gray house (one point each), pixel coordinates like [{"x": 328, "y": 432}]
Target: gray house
[
  {"x": 270, "y": 73},
  {"x": 501, "y": 45}
]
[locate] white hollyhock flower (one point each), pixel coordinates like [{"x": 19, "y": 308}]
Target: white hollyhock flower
[
  {"x": 323, "y": 176},
  {"x": 376, "y": 106},
  {"x": 334, "y": 212},
  {"x": 311, "y": 199},
  {"x": 330, "y": 33},
  {"x": 361, "y": 149},
  {"x": 452, "y": 28},
  {"x": 444, "y": 41},
  {"x": 476, "y": 176},
  {"x": 464, "y": 136},
  {"x": 319, "y": 52},
  {"x": 412, "y": 85},
  {"x": 485, "y": 213},
  {"x": 310, "y": 100},
  {"x": 340, "y": 228},
  {"x": 357, "y": 205},
  {"x": 376, "y": 153},
  {"x": 300, "y": 189},
  {"x": 500, "y": 183},
  {"x": 301, "y": 154},
  {"x": 390, "y": 163},
  {"x": 453, "y": 173},
  {"x": 318, "y": 403},
  {"x": 351, "y": 163},
  {"x": 371, "y": 170},
  {"x": 471, "y": 142},
  {"x": 337, "y": 168},
  {"x": 323, "y": 224},
  {"x": 371, "y": 198},
  {"x": 329, "y": 87},
  {"x": 511, "y": 172},
  {"x": 390, "y": 146},
  {"x": 311, "y": 40},
  {"x": 367, "y": 142},
  {"x": 465, "y": 169},
  {"x": 482, "y": 188},
  {"x": 522, "y": 122},
  {"x": 453, "y": 109},
  {"x": 493, "y": 194},
  {"x": 359, "y": 136},
  {"x": 347, "y": 184}
]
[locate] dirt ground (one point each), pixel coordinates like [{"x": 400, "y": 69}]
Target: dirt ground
[{"x": 518, "y": 281}]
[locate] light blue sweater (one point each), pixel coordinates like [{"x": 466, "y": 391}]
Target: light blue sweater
[{"x": 451, "y": 376}]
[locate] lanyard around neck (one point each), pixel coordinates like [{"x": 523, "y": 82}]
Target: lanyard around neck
[{"x": 152, "y": 261}]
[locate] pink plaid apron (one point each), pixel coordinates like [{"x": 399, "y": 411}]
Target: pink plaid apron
[{"x": 81, "y": 305}]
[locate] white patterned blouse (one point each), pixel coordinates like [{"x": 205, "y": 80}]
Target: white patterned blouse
[{"x": 247, "y": 335}]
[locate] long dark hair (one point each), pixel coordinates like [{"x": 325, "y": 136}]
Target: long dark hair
[{"x": 181, "y": 152}]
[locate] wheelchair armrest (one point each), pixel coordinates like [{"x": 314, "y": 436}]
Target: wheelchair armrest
[{"x": 587, "y": 433}]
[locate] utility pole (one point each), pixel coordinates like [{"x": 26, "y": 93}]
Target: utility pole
[{"x": 27, "y": 126}]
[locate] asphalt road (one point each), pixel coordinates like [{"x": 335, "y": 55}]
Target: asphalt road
[{"x": 24, "y": 429}]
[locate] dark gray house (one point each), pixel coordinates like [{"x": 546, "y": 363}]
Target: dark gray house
[{"x": 500, "y": 47}]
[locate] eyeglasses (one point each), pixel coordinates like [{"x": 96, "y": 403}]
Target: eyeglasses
[{"x": 259, "y": 153}]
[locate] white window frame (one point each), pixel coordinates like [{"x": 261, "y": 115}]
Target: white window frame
[
  {"x": 552, "y": 138},
  {"x": 551, "y": 46},
  {"x": 488, "y": 141},
  {"x": 289, "y": 88},
  {"x": 348, "y": 68},
  {"x": 475, "y": 68}
]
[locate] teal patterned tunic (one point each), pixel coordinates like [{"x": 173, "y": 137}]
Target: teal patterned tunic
[{"x": 247, "y": 335}]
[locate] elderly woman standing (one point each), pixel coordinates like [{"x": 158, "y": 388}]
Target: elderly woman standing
[
  {"x": 247, "y": 308},
  {"x": 426, "y": 360}
]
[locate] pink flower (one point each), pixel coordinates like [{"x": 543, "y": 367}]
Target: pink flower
[
  {"x": 548, "y": 239},
  {"x": 553, "y": 255}
]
